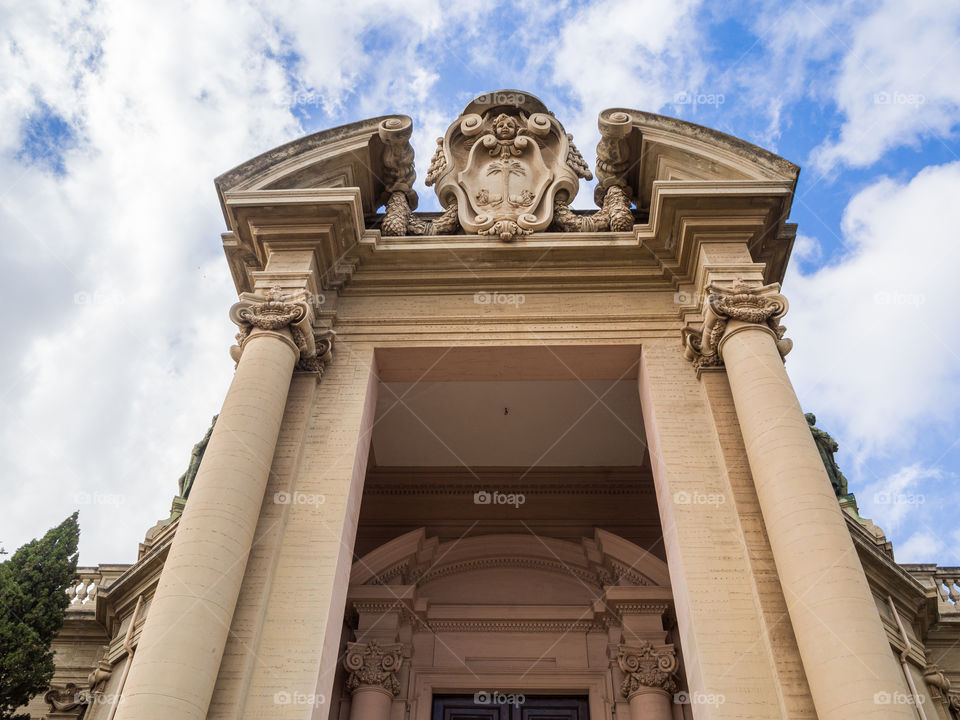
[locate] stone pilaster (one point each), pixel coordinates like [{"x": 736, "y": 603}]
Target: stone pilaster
[
  {"x": 717, "y": 623},
  {"x": 844, "y": 648}
]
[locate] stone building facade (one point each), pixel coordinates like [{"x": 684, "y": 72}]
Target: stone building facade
[{"x": 510, "y": 459}]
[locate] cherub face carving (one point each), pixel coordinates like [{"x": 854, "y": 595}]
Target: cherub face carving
[{"x": 505, "y": 127}]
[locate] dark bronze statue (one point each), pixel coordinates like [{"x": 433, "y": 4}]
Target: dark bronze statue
[
  {"x": 186, "y": 480},
  {"x": 827, "y": 447}
]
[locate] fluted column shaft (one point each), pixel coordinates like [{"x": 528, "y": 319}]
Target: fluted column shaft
[
  {"x": 845, "y": 651},
  {"x": 179, "y": 652}
]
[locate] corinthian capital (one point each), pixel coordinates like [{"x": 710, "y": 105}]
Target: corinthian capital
[
  {"x": 374, "y": 665},
  {"x": 763, "y": 305},
  {"x": 278, "y": 310},
  {"x": 646, "y": 666}
]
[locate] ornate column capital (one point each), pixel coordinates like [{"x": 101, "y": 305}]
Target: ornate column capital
[
  {"x": 274, "y": 312},
  {"x": 373, "y": 665},
  {"x": 647, "y": 668},
  {"x": 751, "y": 304}
]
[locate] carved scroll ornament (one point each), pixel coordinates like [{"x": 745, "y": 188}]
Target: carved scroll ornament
[
  {"x": 759, "y": 305},
  {"x": 371, "y": 664},
  {"x": 646, "y": 667},
  {"x": 275, "y": 311}
]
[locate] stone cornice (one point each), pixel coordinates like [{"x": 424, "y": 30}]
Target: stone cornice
[
  {"x": 761, "y": 306},
  {"x": 661, "y": 251},
  {"x": 326, "y": 223}
]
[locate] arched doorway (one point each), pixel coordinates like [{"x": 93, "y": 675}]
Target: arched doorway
[{"x": 509, "y": 620}]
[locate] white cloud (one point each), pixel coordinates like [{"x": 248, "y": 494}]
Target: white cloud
[
  {"x": 806, "y": 249},
  {"x": 923, "y": 546},
  {"x": 904, "y": 493},
  {"x": 117, "y": 352},
  {"x": 897, "y": 82},
  {"x": 875, "y": 334},
  {"x": 116, "y": 356}
]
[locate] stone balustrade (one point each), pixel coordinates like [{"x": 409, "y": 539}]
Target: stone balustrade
[
  {"x": 946, "y": 581},
  {"x": 83, "y": 593},
  {"x": 948, "y": 586},
  {"x": 88, "y": 584}
]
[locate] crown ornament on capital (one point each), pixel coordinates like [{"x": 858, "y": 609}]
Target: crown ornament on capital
[
  {"x": 276, "y": 311},
  {"x": 759, "y": 305},
  {"x": 647, "y": 667},
  {"x": 373, "y": 665}
]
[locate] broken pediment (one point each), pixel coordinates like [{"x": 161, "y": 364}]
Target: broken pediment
[{"x": 506, "y": 170}]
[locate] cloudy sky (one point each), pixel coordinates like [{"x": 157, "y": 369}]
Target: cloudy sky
[{"x": 116, "y": 115}]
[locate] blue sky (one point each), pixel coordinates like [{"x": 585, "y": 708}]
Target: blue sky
[{"x": 117, "y": 115}]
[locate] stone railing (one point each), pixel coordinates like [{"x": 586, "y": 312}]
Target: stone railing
[
  {"x": 946, "y": 581},
  {"x": 90, "y": 581},
  {"x": 83, "y": 593},
  {"x": 948, "y": 585}
]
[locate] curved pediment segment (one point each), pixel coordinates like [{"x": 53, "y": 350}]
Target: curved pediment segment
[
  {"x": 655, "y": 148},
  {"x": 594, "y": 563},
  {"x": 341, "y": 157}
]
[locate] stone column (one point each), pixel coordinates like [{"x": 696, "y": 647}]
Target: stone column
[
  {"x": 373, "y": 678},
  {"x": 648, "y": 684},
  {"x": 179, "y": 652},
  {"x": 845, "y": 651}
]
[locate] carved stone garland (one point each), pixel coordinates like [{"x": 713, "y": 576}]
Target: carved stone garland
[
  {"x": 747, "y": 303},
  {"x": 612, "y": 193},
  {"x": 399, "y": 175},
  {"x": 646, "y": 667},
  {"x": 371, "y": 664},
  {"x": 276, "y": 311}
]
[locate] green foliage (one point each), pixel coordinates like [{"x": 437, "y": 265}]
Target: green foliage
[{"x": 33, "y": 598}]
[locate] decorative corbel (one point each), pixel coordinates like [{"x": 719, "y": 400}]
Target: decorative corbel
[{"x": 763, "y": 305}]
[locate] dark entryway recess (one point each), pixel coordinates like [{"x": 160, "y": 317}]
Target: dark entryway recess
[{"x": 533, "y": 707}]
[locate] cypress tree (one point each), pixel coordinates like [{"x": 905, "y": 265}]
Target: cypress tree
[{"x": 33, "y": 599}]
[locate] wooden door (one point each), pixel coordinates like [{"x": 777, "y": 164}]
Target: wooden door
[{"x": 509, "y": 706}]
